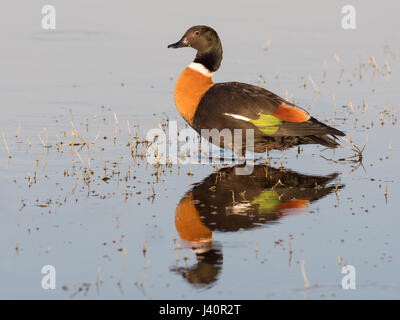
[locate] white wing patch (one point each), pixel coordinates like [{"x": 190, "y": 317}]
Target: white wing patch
[
  {"x": 239, "y": 208},
  {"x": 237, "y": 116}
]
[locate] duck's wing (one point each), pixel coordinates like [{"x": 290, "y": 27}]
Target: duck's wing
[{"x": 257, "y": 107}]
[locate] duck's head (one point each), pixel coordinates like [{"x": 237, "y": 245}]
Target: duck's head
[{"x": 207, "y": 43}]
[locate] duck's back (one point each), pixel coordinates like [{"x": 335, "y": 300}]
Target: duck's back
[{"x": 240, "y": 105}]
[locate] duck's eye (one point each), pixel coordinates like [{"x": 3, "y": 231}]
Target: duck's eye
[{"x": 197, "y": 33}]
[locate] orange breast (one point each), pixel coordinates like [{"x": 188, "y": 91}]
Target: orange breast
[
  {"x": 189, "y": 89},
  {"x": 188, "y": 223}
]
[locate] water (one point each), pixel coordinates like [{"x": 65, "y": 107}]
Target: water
[{"x": 111, "y": 58}]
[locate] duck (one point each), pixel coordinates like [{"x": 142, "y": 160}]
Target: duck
[{"x": 275, "y": 123}]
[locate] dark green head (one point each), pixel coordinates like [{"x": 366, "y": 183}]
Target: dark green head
[{"x": 207, "y": 43}]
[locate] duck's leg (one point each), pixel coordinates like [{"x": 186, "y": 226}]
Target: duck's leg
[
  {"x": 266, "y": 163},
  {"x": 240, "y": 146}
]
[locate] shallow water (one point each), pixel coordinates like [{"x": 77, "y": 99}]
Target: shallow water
[{"x": 106, "y": 64}]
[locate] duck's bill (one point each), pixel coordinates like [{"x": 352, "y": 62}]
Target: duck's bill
[{"x": 180, "y": 44}]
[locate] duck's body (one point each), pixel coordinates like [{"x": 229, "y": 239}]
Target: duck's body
[{"x": 276, "y": 123}]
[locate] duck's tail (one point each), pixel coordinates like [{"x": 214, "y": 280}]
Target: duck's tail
[{"x": 324, "y": 140}]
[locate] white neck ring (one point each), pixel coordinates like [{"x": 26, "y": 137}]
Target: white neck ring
[{"x": 200, "y": 68}]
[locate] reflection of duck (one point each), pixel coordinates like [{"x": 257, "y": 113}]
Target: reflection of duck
[{"x": 225, "y": 201}]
